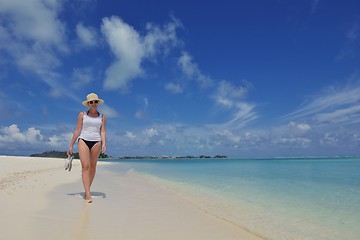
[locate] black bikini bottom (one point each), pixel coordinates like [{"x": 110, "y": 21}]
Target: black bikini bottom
[{"x": 90, "y": 144}]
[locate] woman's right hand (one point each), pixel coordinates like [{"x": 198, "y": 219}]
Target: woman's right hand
[{"x": 69, "y": 152}]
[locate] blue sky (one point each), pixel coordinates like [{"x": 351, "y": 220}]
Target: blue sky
[{"x": 240, "y": 78}]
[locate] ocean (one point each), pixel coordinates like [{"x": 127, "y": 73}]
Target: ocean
[{"x": 278, "y": 198}]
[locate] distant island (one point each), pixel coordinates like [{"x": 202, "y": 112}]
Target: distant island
[
  {"x": 59, "y": 154},
  {"x": 170, "y": 157}
]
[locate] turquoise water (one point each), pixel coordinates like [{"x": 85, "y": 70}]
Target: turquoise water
[{"x": 274, "y": 198}]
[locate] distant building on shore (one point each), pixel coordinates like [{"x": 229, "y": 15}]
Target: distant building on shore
[{"x": 171, "y": 157}]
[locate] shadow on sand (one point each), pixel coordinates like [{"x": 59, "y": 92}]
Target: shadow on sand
[{"x": 93, "y": 194}]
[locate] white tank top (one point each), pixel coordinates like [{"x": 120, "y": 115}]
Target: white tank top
[{"x": 91, "y": 128}]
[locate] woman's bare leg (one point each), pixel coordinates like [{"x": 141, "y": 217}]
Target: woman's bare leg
[
  {"x": 94, "y": 155},
  {"x": 84, "y": 154}
]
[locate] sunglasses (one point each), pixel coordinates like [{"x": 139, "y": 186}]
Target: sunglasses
[{"x": 95, "y": 101}]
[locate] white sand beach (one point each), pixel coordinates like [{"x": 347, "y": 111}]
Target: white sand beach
[{"x": 40, "y": 200}]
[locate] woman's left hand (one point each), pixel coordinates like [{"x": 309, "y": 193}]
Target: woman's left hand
[{"x": 103, "y": 149}]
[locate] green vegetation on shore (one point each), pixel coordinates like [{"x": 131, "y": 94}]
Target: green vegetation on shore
[
  {"x": 172, "y": 157},
  {"x": 59, "y": 154}
]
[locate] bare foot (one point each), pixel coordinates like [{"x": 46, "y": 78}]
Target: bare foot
[{"x": 88, "y": 198}]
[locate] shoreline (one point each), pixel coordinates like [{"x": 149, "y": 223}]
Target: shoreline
[
  {"x": 44, "y": 201},
  {"x": 247, "y": 195}
]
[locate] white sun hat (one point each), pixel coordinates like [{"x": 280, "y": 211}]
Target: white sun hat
[{"x": 92, "y": 97}]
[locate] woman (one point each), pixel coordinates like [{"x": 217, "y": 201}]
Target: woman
[{"x": 91, "y": 134}]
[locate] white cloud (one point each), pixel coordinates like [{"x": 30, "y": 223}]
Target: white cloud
[
  {"x": 108, "y": 111},
  {"x": 290, "y": 130},
  {"x": 307, "y": 132},
  {"x": 328, "y": 139},
  {"x": 130, "y": 135},
  {"x": 16, "y": 141},
  {"x": 229, "y": 135},
  {"x": 31, "y": 32},
  {"x": 244, "y": 113},
  {"x": 192, "y": 71},
  {"x": 86, "y": 35},
  {"x": 146, "y": 102},
  {"x": 232, "y": 98},
  {"x": 12, "y": 134},
  {"x": 228, "y": 94},
  {"x": 329, "y": 119},
  {"x": 34, "y": 20},
  {"x": 125, "y": 44},
  {"x": 60, "y": 141},
  {"x": 347, "y": 115},
  {"x": 225, "y": 102},
  {"x": 332, "y": 106},
  {"x": 131, "y": 49},
  {"x": 293, "y": 142},
  {"x": 151, "y": 132},
  {"x": 303, "y": 126},
  {"x": 187, "y": 66},
  {"x": 174, "y": 87},
  {"x": 32, "y": 35},
  {"x": 292, "y": 139},
  {"x": 157, "y": 38}
]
